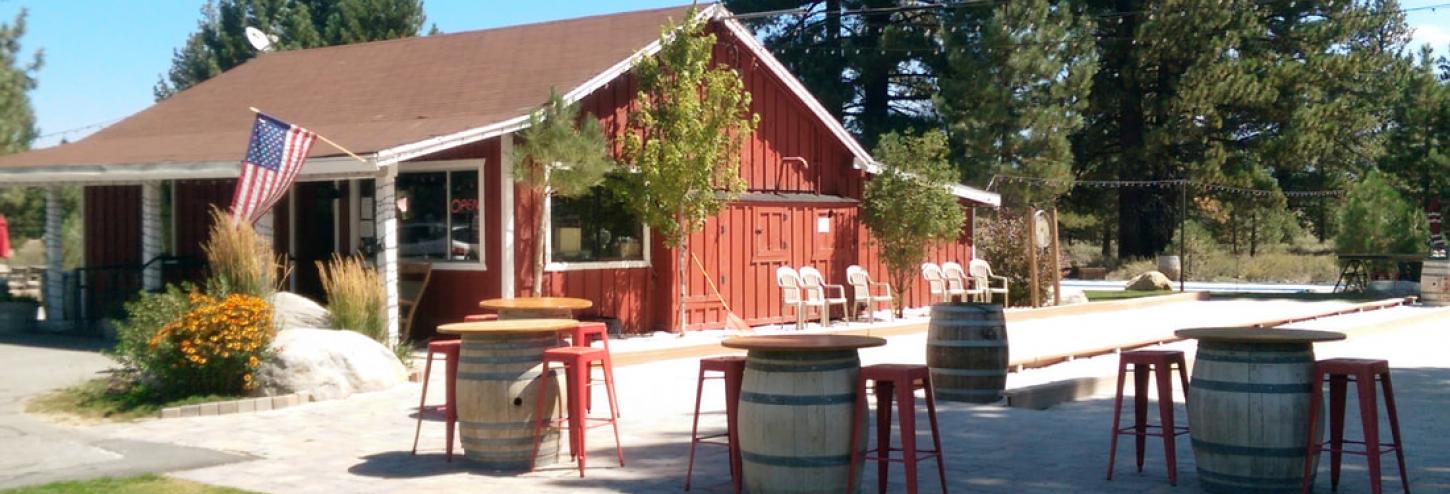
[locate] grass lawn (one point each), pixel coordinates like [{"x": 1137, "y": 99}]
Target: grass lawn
[
  {"x": 144, "y": 484},
  {"x": 93, "y": 400},
  {"x": 1305, "y": 297},
  {"x": 1102, "y": 295}
]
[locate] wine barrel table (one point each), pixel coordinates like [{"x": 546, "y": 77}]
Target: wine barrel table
[
  {"x": 1248, "y": 407},
  {"x": 498, "y": 380},
  {"x": 796, "y": 404},
  {"x": 966, "y": 350},
  {"x": 536, "y": 307}
]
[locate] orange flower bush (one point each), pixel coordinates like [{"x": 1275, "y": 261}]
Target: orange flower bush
[{"x": 214, "y": 347}]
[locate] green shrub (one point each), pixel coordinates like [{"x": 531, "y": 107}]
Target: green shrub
[
  {"x": 1375, "y": 219},
  {"x": 355, "y": 296},
  {"x": 182, "y": 342},
  {"x": 145, "y": 317},
  {"x": 1003, "y": 243}
]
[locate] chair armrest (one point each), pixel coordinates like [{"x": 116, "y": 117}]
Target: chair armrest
[
  {"x": 840, "y": 289},
  {"x": 887, "y": 286}
]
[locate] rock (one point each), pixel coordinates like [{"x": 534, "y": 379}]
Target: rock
[
  {"x": 1388, "y": 288},
  {"x": 296, "y": 311},
  {"x": 1073, "y": 296},
  {"x": 328, "y": 364},
  {"x": 1151, "y": 280}
]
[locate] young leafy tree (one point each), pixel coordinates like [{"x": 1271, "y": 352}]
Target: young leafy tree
[
  {"x": 220, "y": 41},
  {"x": 1374, "y": 219},
  {"x": 682, "y": 143},
  {"x": 1017, "y": 80},
  {"x": 559, "y": 154},
  {"x": 908, "y": 206}
]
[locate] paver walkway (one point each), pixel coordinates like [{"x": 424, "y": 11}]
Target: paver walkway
[{"x": 361, "y": 444}]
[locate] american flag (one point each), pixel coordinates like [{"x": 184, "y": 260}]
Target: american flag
[{"x": 274, "y": 155}]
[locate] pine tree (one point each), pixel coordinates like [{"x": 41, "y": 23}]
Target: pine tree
[
  {"x": 1016, "y": 82},
  {"x": 220, "y": 41},
  {"x": 1416, "y": 157},
  {"x": 875, "y": 71}
]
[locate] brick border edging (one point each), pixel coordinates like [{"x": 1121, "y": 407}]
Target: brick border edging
[{"x": 244, "y": 405}]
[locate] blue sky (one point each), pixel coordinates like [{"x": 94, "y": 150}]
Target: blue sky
[{"x": 102, "y": 57}]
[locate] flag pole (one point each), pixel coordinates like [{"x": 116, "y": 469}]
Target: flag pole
[{"x": 326, "y": 140}]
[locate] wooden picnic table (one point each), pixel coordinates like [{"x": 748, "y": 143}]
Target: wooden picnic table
[
  {"x": 536, "y": 307},
  {"x": 1354, "y": 272},
  {"x": 498, "y": 382},
  {"x": 1248, "y": 406},
  {"x": 795, "y": 415}
]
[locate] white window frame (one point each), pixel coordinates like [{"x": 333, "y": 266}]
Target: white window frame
[
  {"x": 553, "y": 266},
  {"x": 478, "y": 165}
]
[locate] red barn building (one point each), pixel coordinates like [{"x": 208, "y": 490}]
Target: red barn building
[{"x": 434, "y": 118}]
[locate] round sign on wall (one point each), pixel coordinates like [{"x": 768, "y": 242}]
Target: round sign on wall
[{"x": 1043, "y": 233}]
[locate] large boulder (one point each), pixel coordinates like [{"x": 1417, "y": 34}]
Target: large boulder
[
  {"x": 291, "y": 310},
  {"x": 1073, "y": 296},
  {"x": 328, "y": 364},
  {"x": 1151, "y": 280}
]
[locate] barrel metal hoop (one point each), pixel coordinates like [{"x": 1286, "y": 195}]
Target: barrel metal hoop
[
  {"x": 1241, "y": 358},
  {"x": 1260, "y": 388},
  {"x": 1227, "y": 346},
  {"x": 821, "y": 367},
  {"x": 796, "y": 461},
  {"x": 968, "y": 323},
  {"x": 486, "y": 442},
  {"x": 523, "y": 425},
  {"x": 802, "y": 356},
  {"x": 498, "y": 376},
  {"x": 969, "y": 372},
  {"x": 1254, "y": 451},
  {"x": 968, "y": 343},
  {"x": 502, "y": 359},
  {"x": 492, "y": 346},
  {"x": 1222, "y": 482},
  {"x": 778, "y": 399}
]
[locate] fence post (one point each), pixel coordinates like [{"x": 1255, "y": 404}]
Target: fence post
[{"x": 1032, "y": 257}]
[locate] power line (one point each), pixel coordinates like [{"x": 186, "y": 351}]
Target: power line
[
  {"x": 81, "y": 128},
  {"x": 1168, "y": 183}
]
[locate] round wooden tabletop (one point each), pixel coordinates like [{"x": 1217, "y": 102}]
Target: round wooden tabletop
[
  {"x": 512, "y": 326},
  {"x": 803, "y": 343},
  {"x": 526, "y": 303},
  {"x": 1259, "y": 335}
]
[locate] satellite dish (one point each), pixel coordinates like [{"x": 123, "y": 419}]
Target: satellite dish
[{"x": 259, "y": 39}]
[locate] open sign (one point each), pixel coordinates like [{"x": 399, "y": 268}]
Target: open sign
[{"x": 464, "y": 205}]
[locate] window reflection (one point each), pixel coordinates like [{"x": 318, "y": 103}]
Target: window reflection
[
  {"x": 438, "y": 216},
  {"x": 593, "y": 228}
]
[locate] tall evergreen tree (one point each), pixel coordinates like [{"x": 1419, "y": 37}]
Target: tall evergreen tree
[
  {"x": 1017, "y": 79},
  {"x": 23, "y": 207},
  {"x": 872, "y": 63},
  {"x": 1416, "y": 157},
  {"x": 220, "y": 41}
]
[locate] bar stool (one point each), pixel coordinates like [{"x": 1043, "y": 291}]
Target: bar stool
[
  {"x": 732, "y": 371},
  {"x": 1161, "y": 363},
  {"x": 449, "y": 349},
  {"x": 577, "y": 361},
  {"x": 1364, "y": 373},
  {"x": 901, "y": 382},
  {"x": 585, "y": 334}
]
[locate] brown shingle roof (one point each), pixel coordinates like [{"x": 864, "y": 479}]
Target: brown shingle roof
[{"x": 369, "y": 96}]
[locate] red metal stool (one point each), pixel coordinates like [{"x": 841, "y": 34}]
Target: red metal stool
[
  {"x": 480, "y": 317},
  {"x": 585, "y": 334},
  {"x": 732, "y": 370},
  {"x": 901, "y": 382},
  {"x": 1363, "y": 372},
  {"x": 577, "y": 361},
  {"x": 449, "y": 348},
  {"x": 1161, "y": 363}
]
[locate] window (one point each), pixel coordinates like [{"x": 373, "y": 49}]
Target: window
[
  {"x": 438, "y": 216},
  {"x": 594, "y": 228}
]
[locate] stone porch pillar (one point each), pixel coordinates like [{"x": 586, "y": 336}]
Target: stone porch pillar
[
  {"x": 54, "y": 273},
  {"x": 151, "y": 235}
]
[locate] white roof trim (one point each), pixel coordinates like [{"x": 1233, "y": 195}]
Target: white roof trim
[
  {"x": 963, "y": 191},
  {"x": 189, "y": 170}
]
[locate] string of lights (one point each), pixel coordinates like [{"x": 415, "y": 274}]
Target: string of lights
[{"x": 1169, "y": 183}]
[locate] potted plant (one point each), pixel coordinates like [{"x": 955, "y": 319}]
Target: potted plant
[{"x": 18, "y": 313}]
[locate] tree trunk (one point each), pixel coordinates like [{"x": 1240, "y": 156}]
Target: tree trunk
[
  {"x": 684, "y": 249},
  {"x": 875, "y": 80},
  {"x": 541, "y": 251}
]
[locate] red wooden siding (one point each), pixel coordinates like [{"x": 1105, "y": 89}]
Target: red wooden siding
[
  {"x": 191, "y": 211},
  {"x": 113, "y": 246}
]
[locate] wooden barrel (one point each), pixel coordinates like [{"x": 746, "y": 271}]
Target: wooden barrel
[
  {"x": 966, "y": 349},
  {"x": 1435, "y": 282},
  {"x": 1248, "y": 409},
  {"x": 498, "y": 382},
  {"x": 800, "y": 405}
]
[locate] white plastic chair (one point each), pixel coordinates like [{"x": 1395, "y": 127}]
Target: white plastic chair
[
  {"x": 829, "y": 295},
  {"x": 958, "y": 284},
  {"x": 861, "y": 285},
  {"x": 934, "y": 282},
  {"x": 982, "y": 273},
  {"x": 790, "y": 290}
]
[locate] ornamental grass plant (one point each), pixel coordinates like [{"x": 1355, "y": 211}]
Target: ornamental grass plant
[
  {"x": 355, "y": 296},
  {"x": 240, "y": 260}
]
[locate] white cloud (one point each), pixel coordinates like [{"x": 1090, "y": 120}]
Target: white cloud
[{"x": 1437, "y": 37}]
